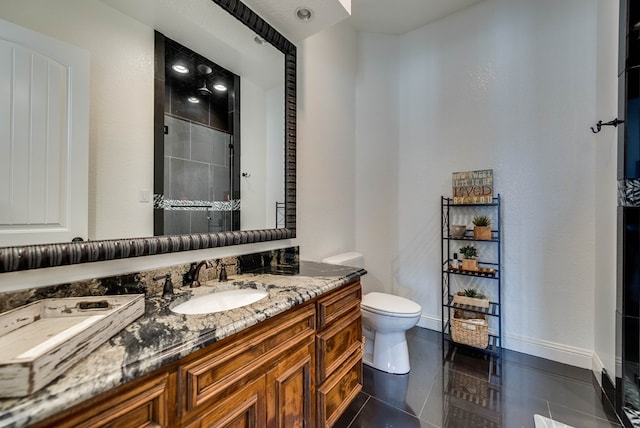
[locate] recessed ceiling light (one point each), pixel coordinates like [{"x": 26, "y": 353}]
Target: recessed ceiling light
[
  {"x": 219, "y": 87},
  {"x": 193, "y": 100},
  {"x": 304, "y": 14},
  {"x": 180, "y": 68}
]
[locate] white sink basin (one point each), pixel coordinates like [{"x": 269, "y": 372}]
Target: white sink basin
[{"x": 220, "y": 301}]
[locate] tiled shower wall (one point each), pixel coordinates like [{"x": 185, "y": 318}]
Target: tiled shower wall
[
  {"x": 628, "y": 310},
  {"x": 196, "y": 168}
]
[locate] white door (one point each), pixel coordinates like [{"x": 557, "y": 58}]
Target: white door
[{"x": 44, "y": 138}]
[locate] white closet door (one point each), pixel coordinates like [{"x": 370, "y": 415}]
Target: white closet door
[{"x": 44, "y": 138}]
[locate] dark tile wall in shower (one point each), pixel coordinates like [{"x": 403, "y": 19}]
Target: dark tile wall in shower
[
  {"x": 201, "y": 146},
  {"x": 211, "y": 107},
  {"x": 628, "y": 257},
  {"x": 196, "y": 168},
  {"x": 631, "y": 137},
  {"x": 197, "y": 159}
]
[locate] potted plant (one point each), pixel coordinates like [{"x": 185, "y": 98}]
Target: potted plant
[
  {"x": 469, "y": 261},
  {"x": 471, "y": 297},
  {"x": 482, "y": 229}
]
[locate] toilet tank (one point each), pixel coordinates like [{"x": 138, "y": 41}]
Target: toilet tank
[{"x": 346, "y": 259}]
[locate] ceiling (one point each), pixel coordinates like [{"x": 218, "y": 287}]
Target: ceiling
[
  {"x": 379, "y": 16},
  {"x": 281, "y": 15},
  {"x": 197, "y": 24},
  {"x": 401, "y": 16}
]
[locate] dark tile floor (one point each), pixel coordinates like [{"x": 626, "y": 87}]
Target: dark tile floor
[{"x": 472, "y": 391}]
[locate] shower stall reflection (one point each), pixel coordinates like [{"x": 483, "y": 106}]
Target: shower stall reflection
[
  {"x": 197, "y": 151},
  {"x": 198, "y": 177}
]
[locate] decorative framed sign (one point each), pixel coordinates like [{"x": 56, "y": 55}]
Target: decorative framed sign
[{"x": 473, "y": 187}]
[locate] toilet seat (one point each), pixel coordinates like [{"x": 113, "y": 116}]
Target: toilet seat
[{"x": 388, "y": 304}]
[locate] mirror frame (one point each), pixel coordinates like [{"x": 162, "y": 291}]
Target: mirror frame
[{"x": 61, "y": 254}]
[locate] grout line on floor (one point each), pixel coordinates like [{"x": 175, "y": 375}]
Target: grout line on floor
[
  {"x": 397, "y": 408},
  {"x": 582, "y": 413},
  {"x": 359, "y": 410},
  {"x": 547, "y": 372},
  {"x": 424, "y": 404}
]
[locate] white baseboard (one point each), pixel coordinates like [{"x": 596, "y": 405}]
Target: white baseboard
[
  {"x": 596, "y": 367},
  {"x": 559, "y": 352},
  {"x": 432, "y": 323}
]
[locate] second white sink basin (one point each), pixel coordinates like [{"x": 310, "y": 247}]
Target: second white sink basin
[{"x": 220, "y": 301}]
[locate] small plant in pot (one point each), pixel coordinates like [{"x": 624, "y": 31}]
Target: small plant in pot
[
  {"x": 471, "y": 297},
  {"x": 469, "y": 261},
  {"x": 482, "y": 227}
]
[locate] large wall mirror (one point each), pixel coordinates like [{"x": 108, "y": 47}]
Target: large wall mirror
[{"x": 120, "y": 37}]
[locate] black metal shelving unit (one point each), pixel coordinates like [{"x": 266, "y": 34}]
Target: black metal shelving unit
[{"x": 448, "y": 208}]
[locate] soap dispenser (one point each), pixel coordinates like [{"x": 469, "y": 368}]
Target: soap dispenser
[
  {"x": 167, "y": 289},
  {"x": 223, "y": 273}
]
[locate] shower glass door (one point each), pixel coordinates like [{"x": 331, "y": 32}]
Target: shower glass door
[{"x": 198, "y": 179}]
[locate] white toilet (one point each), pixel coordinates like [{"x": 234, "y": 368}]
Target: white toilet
[{"x": 385, "y": 319}]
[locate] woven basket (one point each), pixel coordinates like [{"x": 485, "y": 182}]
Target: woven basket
[{"x": 470, "y": 332}]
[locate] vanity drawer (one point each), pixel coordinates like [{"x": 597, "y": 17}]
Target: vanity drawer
[
  {"x": 142, "y": 403},
  {"x": 337, "y": 343},
  {"x": 338, "y": 304},
  {"x": 217, "y": 374},
  {"x": 339, "y": 390}
]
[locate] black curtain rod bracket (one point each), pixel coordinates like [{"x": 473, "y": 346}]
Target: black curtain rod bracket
[{"x": 599, "y": 125}]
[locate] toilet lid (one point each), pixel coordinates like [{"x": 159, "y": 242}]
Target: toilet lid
[{"x": 383, "y": 303}]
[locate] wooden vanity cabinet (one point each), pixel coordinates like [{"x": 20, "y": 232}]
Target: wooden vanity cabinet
[
  {"x": 339, "y": 353},
  {"x": 278, "y": 353},
  {"x": 298, "y": 370}
]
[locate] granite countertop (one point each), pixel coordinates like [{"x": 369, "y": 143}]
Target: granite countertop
[{"x": 161, "y": 336}]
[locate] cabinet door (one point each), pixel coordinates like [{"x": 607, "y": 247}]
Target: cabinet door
[
  {"x": 246, "y": 408},
  {"x": 335, "y": 394},
  {"x": 290, "y": 390}
]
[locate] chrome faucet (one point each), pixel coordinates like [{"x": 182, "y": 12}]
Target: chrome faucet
[{"x": 192, "y": 278}]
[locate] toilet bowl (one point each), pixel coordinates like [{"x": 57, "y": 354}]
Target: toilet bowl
[{"x": 385, "y": 320}]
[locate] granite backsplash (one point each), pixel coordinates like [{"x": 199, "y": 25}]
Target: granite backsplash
[{"x": 151, "y": 282}]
